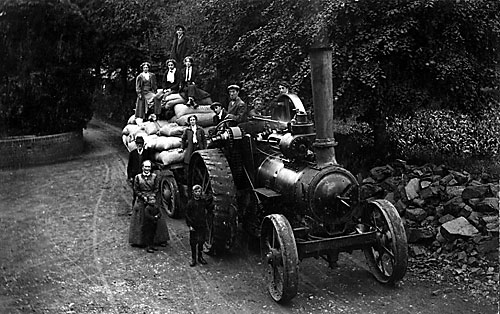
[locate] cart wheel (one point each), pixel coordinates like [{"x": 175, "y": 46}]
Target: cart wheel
[
  {"x": 388, "y": 258},
  {"x": 280, "y": 257},
  {"x": 170, "y": 197}
]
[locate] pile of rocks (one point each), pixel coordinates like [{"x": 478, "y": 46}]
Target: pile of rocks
[{"x": 448, "y": 215}]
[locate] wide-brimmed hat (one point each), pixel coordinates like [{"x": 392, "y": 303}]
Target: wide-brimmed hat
[
  {"x": 234, "y": 86},
  {"x": 171, "y": 60},
  {"x": 215, "y": 103},
  {"x": 188, "y": 57},
  {"x": 145, "y": 63}
]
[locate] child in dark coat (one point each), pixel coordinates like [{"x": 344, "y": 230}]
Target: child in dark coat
[{"x": 196, "y": 215}]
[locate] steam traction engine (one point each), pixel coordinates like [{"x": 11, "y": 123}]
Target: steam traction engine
[{"x": 278, "y": 177}]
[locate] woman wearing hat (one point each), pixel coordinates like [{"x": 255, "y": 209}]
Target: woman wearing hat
[
  {"x": 171, "y": 78},
  {"x": 181, "y": 45},
  {"x": 145, "y": 86}
]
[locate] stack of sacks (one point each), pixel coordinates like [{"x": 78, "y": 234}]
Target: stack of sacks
[
  {"x": 203, "y": 112},
  {"x": 171, "y": 100},
  {"x": 164, "y": 137},
  {"x": 174, "y": 99}
]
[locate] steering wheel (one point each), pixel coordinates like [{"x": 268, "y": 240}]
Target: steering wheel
[{"x": 224, "y": 124}]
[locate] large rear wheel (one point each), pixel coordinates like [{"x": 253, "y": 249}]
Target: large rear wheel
[
  {"x": 209, "y": 169},
  {"x": 388, "y": 258},
  {"x": 279, "y": 257},
  {"x": 170, "y": 197}
]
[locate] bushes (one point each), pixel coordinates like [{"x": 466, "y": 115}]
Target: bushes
[{"x": 434, "y": 134}]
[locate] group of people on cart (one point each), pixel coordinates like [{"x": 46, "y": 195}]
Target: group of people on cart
[{"x": 148, "y": 227}]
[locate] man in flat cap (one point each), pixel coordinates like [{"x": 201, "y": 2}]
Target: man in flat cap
[
  {"x": 237, "y": 109},
  {"x": 181, "y": 45}
]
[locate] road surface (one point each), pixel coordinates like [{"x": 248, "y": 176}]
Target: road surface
[{"x": 63, "y": 249}]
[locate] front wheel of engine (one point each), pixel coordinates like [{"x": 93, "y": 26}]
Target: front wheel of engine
[
  {"x": 279, "y": 257},
  {"x": 388, "y": 258}
]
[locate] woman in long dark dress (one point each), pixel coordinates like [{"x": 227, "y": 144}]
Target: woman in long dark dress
[
  {"x": 145, "y": 87},
  {"x": 193, "y": 139},
  {"x": 145, "y": 216},
  {"x": 171, "y": 83}
]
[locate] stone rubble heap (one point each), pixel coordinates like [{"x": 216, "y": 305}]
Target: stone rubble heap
[{"x": 450, "y": 217}]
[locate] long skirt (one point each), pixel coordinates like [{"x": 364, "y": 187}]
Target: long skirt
[
  {"x": 136, "y": 235},
  {"x": 162, "y": 235},
  {"x": 148, "y": 100},
  {"x": 196, "y": 93},
  {"x": 140, "y": 228}
]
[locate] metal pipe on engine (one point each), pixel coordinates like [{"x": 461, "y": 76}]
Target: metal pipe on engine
[{"x": 322, "y": 89}]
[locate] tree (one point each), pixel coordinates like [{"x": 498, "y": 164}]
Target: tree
[
  {"x": 45, "y": 83},
  {"x": 398, "y": 57},
  {"x": 390, "y": 57}
]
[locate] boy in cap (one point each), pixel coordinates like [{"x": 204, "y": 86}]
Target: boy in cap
[
  {"x": 220, "y": 112},
  {"x": 237, "y": 109},
  {"x": 196, "y": 219},
  {"x": 284, "y": 87}
]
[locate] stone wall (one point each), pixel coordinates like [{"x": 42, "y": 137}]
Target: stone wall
[{"x": 20, "y": 151}]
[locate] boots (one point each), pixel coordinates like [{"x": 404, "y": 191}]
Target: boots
[
  {"x": 193, "y": 256},
  {"x": 201, "y": 260}
]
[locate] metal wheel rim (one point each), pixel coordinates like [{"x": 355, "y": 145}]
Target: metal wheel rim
[
  {"x": 383, "y": 251},
  {"x": 280, "y": 258},
  {"x": 169, "y": 203},
  {"x": 275, "y": 271},
  {"x": 388, "y": 257}
]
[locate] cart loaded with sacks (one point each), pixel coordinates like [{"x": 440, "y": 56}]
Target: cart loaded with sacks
[{"x": 277, "y": 178}]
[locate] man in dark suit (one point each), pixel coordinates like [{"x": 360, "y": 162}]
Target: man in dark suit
[
  {"x": 220, "y": 112},
  {"x": 181, "y": 45},
  {"x": 237, "y": 109},
  {"x": 135, "y": 159}
]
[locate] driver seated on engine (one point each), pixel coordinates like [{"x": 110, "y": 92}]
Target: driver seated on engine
[{"x": 237, "y": 109}]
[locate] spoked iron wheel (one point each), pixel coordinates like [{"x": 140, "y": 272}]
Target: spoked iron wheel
[
  {"x": 170, "y": 197},
  {"x": 209, "y": 169},
  {"x": 388, "y": 258},
  {"x": 279, "y": 257}
]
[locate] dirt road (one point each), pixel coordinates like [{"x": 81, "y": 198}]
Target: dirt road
[{"x": 63, "y": 249}]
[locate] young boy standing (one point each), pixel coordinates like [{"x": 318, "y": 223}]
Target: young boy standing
[{"x": 196, "y": 215}]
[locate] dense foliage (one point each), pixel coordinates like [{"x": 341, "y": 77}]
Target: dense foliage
[
  {"x": 391, "y": 59},
  {"x": 435, "y": 134},
  {"x": 45, "y": 84}
]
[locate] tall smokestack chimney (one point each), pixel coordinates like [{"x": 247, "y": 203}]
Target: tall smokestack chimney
[{"x": 320, "y": 56}]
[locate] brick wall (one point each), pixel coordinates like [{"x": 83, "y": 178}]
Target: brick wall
[{"x": 23, "y": 151}]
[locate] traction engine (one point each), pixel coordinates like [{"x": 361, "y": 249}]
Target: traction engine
[{"x": 277, "y": 177}]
